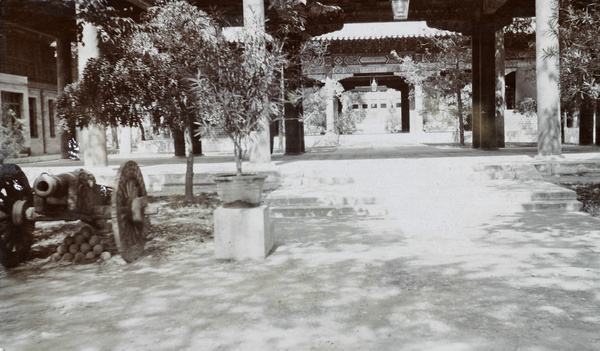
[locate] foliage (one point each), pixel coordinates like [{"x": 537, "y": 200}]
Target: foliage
[
  {"x": 11, "y": 135},
  {"x": 239, "y": 87},
  {"x": 112, "y": 22},
  {"x": 445, "y": 74},
  {"x": 527, "y": 106},
  {"x": 347, "y": 120},
  {"x": 315, "y": 104},
  {"x": 578, "y": 31},
  {"x": 106, "y": 93},
  {"x": 173, "y": 56},
  {"x": 588, "y": 195},
  {"x": 144, "y": 71}
]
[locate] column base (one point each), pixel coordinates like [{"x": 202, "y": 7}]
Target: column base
[{"x": 243, "y": 233}]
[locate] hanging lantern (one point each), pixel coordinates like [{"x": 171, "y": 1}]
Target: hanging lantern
[
  {"x": 400, "y": 9},
  {"x": 373, "y": 85}
]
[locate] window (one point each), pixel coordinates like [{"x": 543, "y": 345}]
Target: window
[
  {"x": 365, "y": 106},
  {"x": 12, "y": 101},
  {"x": 355, "y": 106},
  {"x": 33, "y": 130},
  {"x": 51, "y": 118},
  {"x": 383, "y": 105},
  {"x": 398, "y": 105},
  {"x": 373, "y": 105}
]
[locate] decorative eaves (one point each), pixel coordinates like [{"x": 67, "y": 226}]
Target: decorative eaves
[{"x": 383, "y": 30}]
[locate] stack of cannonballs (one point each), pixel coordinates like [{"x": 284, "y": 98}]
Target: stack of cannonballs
[{"x": 80, "y": 247}]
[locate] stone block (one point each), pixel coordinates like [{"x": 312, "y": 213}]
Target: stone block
[{"x": 243, "y": 232}]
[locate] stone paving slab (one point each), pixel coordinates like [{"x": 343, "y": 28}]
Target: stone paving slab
[{"x": 495, "y": 283}]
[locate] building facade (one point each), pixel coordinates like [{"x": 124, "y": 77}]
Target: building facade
[{"x": 29, "y": 85}]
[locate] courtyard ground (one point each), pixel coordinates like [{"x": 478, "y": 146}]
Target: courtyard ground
[{"x": 443, "y": 269}]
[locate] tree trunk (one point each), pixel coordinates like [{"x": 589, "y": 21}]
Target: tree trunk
[
  {"x": 461, "y": 125},
  {"x": 142, "y": 131},
  {"x": 189, "y": 169},
  {"x": 239, "y": 156}
]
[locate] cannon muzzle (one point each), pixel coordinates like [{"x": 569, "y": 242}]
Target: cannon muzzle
[{"x": 47, "y": 185}]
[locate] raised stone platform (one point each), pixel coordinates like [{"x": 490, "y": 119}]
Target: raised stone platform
[{"x": 243, "y": 233}]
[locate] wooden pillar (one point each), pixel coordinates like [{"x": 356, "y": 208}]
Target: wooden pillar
[
  {"x": 273, "y": 131},
  {"x": 476, "y": 84},
  {"x": 293, "y": 144},
  {"x": 500, "y": 89},
  {"x": 301, "y": 135},
  {"x": 487, "y": 71},
  {"x": 405, "y": 108},
  {"x": 197, "y": 146},
  {"x": 548, "y": 75},
  {"x": 586, "y": 122},
  {"x": 178, "y": 142},
  {"x": 93, "y": 141}
]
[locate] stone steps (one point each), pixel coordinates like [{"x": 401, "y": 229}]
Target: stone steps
[
  {"x": 543, "y": 206},
  {"x": 330, "y": 194},
  {"x": 323, "y": 211},
  {"x": 332, "y": 201}
]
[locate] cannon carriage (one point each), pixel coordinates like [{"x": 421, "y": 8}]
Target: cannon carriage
[{"x": 71, "y": 196}]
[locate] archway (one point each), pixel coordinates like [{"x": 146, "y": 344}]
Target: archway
[{"x": 385, "y": 101}]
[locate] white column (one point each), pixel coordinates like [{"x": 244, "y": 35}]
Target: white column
[
  {"x": 330, "y": 113},
  {"x": 416, "y": 120},
  {"x": 125, "y": 141},
  {"x": 548, "y": 73},
  {"x": 93, "y": 141},
  {"x": 260, "y": 147}
]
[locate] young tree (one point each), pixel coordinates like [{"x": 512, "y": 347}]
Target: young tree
[
  {"x": 144, "y": 71},
  {"x": 238, "y": 86},
  {"x": 446, "y": 72}
]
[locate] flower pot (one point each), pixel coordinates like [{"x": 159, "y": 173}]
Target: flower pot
[{"x": 240, "y": 191}]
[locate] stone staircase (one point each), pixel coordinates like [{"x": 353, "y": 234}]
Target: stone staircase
[
  {"x": 329, "y": 193},
  {"x": 523, "y": 187},
  {"x": 326, "y": 197}
]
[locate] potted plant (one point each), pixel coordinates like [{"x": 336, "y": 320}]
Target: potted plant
[{"x": 236, "y": 93}]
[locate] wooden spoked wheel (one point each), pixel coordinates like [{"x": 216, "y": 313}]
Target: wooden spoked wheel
[
  {"x": 16, "y": 233},
  {"x": 127, "y": 211}
]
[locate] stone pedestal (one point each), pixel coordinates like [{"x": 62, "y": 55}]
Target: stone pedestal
[{"x": 243, "y": 233}]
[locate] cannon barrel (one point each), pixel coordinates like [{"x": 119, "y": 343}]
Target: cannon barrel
[{"x": 47, "y": 185}]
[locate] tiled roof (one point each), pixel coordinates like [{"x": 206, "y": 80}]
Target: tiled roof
[{"x": 383, "y": 30}]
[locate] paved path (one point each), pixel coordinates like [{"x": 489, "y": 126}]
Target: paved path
[{"x": 443, "y": 270}]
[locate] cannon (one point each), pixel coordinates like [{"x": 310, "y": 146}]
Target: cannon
[{"x": 71, "y": 196}]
